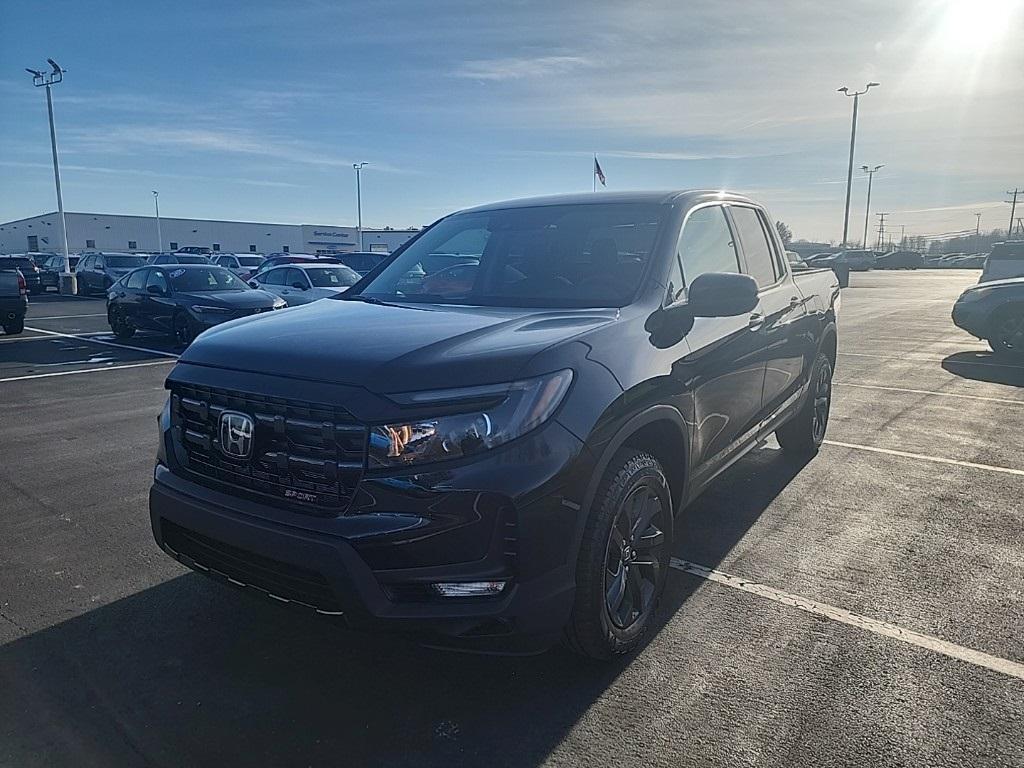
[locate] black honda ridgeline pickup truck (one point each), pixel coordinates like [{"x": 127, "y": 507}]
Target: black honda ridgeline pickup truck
[{"x": 488, "y": 440}]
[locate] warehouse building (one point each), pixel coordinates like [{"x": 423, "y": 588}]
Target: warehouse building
[{"x": 112, "y": 232}]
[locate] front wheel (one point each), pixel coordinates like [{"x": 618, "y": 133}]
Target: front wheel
[
  {"x": 624, "y": 557},
  {"x": 1008, "y": 332},
  {"x": 120, "y": 326},
  {"x": 12, "y": 327},
  {"x": 184, "y": 333},
  {"x": 803, "y": 434}
]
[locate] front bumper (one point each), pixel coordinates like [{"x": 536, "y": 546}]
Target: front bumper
[
  {"x": 971, "y": 317},
  {"x": 373, "y": 568}
]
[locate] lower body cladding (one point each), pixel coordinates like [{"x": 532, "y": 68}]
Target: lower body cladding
[{"x": 459, "y": 567}]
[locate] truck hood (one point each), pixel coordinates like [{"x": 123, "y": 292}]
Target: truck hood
[{"x": 394, "y": 347}]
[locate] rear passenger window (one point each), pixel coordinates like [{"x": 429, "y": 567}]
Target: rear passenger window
[
  {"x": 706, "y": 245},
  {"x": 137, "y": 280},
  {"x": 273, "y": 277},
  {"x": 759, "y": 256}
]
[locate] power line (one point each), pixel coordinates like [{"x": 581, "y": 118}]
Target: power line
[{"x": 1013, "y": 208}]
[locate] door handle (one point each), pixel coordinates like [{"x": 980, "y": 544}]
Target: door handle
[{"x": 756, "y": 321}]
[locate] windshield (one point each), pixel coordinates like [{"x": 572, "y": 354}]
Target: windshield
[
  {"x": 206, "y": 279},
  {"x": 332, "y": 277},
  {"x": 585, "y": 255},
  {"x": 183, "y": 258},
  {"x": 124, "y": 262}
]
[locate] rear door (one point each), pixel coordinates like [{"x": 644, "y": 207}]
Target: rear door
[
  {"x": 780, "y": 308},
  {"x": 722, "y": 361},
  {"x": 130, "y": 295}
]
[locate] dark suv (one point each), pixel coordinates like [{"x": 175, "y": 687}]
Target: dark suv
[{"x": 498, "y": 460}]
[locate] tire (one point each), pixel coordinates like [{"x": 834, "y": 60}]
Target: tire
[
  {"x": 120, "y": 326},
  {"x": 184, "y": 333},
  {"x": 623, "y": 559},
  {"x": 804, "y": 433},
  {"x": 12, "y": 327},
  {"x": 1007, "y": 332},
  {"x": 83, "y": 288}
]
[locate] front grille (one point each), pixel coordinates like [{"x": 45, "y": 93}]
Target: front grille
[
  {"x": 282, "y": 581},
  {"x": 305, "y": 456}
]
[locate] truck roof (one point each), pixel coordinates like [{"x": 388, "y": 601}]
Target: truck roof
[{"x": 688, "y": 196}]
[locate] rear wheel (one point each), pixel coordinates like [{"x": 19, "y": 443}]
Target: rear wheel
[
  {"x": 804, "y": 433},
  {"x": 623, "y": 560},
  {"x": 1007, "y": 329},
  {"x": 12, "y": 327}
]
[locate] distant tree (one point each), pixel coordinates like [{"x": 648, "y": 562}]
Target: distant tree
[{"x": 784, "y": 232}]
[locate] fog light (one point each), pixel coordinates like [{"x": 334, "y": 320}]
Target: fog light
[{"x": 469, "y": 588}]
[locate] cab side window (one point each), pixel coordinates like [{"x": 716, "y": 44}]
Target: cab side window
[
  {"x": 705, "y": 245},
  {"x": 757, "y": 250},
  {"x": 137, "y": 280}
]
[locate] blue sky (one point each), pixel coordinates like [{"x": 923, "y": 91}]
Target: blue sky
[{"x": 256, "y": 111}]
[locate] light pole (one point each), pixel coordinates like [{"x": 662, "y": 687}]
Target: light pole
[
  {"x": 853, "y": 139},
  {"x": 867, "y": 208},
  {"x": 977, "y": 230},
  {"x": 159, "y": 237},
  {"x": 359, "y": 201},
  {"x": 40, "y": 80}
]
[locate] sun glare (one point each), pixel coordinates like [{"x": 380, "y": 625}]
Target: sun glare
[{"x": 975, "y": 23}]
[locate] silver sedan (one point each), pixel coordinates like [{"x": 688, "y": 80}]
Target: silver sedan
[{"x": 304, "y": 283}]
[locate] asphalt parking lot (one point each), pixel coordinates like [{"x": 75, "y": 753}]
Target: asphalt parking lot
[{"x": 863, "y": 609}]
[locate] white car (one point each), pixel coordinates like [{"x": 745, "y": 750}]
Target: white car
[
  {"x": 244, "y": 265},
  {"x": 1005, "y": 261},
  {"x": 304, "y": 283}
]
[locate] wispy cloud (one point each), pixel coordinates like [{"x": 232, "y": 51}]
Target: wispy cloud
[
  {"x": 964, "y": 207},
  {"x": 108, "y": 171},
  {"x": 521, "y": 68}
]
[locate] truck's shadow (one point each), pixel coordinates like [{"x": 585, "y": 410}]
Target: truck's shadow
[
  {"x": 187, "y": 673},
  {"x": 985, "y": 366}
]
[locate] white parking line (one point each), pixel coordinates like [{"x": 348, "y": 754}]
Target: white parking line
[
  {"x": 84, "y": 337},
  {"x": 86, "y": 370},
  {"x": 932, "y": 360},
  {"x": 971, "y": 656},
  {"x": 19, "y": 337},
  {"x": 66, "y": 317},
  {"x": 929, "y": 392},
  {"x": 924, "y": 457}
]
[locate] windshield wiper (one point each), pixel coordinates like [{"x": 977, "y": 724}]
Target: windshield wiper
[{"x": 364, "y": 299}]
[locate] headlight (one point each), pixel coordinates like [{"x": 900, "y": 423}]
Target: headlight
[
  {"x": 280, "y": 303},
  {"x": 518, "y": 407},
  {"x": 203, "y": 310}
]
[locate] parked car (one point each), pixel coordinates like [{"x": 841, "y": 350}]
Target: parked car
[
  {"x": 1005, "y": 260},
  {"x": 362, "y": 262},
  {"x": 276, "y": 260},
  {"x": 971, "y": 261},
  {"x": 96, "y": 272},
  {"x": 39, "y": 257},
  {"x": 28, "y": 268},
  {"x": 244, "y": 265},
  {"x": 178, "y": 258},
  {"x": 503, "y": 464},
  {"x": 13, "y": 298},
  {"x": 833, "y": 261},
  {"x": 303, "y": 283},
  {"x": 857, "y": 261},
  {"x": 994, "y": 311},
  {"x": 900, "y": 260},
  {"x": 201, "y": 250},
  {"x": 52, "y": 268},
  {"x": 183, "y": 300}
]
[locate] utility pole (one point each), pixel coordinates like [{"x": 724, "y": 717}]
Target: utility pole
[
  {"x": 903, "y": 235},
  {"x": 40, "y": 80},
  {"x": 881, "y": 228},
  {"x": 867, "y": 208},
  {"x": 359, "y": 201},
  {"x": 853, "y": 140},
  {"x": 1013, "y": 206},
  {"x": 159, "y": 237}
]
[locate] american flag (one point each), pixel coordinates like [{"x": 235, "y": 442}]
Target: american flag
[{"x": 598, "y": 172}]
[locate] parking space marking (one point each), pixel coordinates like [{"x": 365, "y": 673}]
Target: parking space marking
[
  {"x": 66, "y": 317},
  {"x": 883, "y": 628},
  {"x": 86, "y": 370},
  {"x": 85, "y": 337},
  {"x": 929, "y": 360},
  {"x": 925, "y": 457},
  {"x": 930, "y": 392},
  {"x": 15, "y": 339}
]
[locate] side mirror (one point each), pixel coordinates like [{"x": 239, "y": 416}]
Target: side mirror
[
  {"x": 298, "y": 286},
  {"x": 253, "y": 284},
  {"x": 156, "y": 290},
  {"x": 722, "y": 294}
]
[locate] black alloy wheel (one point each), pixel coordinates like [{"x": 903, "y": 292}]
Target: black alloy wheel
[
  {"x": 804, "y": 433},
  {"x": 822, "y": 403},
  {"x": 633, "y": 557},
  {"x": 183, "y": 332}
]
